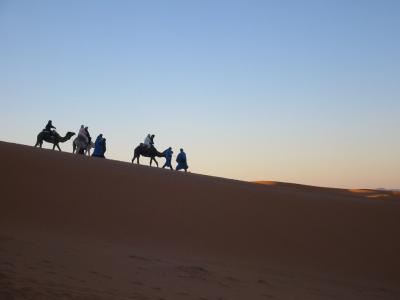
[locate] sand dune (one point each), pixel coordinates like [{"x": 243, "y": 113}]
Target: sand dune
[{"x": 73, "y": 227}]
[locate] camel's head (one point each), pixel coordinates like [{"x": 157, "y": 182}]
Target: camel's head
[
  {"x": 69, "y": 134},
  {"x": 162, "y": 154}
]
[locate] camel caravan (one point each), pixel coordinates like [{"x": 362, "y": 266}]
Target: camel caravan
[{"x": 83, "y": 144}]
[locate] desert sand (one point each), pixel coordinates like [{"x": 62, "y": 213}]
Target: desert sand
[{"x": 75, "y": 227}]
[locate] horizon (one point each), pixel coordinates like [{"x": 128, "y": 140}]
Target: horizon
[
  {"x": 366, "y": 192},
  {"x": 305, "y": 93},
  {"x": 262, "y": 182}
]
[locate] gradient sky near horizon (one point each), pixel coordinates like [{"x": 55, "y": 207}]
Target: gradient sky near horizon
[{"x": 294, "y": 91}]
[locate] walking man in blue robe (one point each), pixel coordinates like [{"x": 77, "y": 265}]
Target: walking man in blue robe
[
  {"x": 168, "y": 157},
  {"x": 182, "y": 162}
]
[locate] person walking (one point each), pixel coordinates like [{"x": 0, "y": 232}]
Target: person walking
[
  {"x": 168, "y": 158},
  {"x": 182, "y": 161},
  {"x": 99, "y": 146}
]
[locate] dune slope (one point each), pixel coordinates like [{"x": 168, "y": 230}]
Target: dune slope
[{"x": 83, "y": 228}]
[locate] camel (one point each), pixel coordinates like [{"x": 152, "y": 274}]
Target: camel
[
  {"x": 78, "y": 145},
  {"x": 147, "y": 152},
  {"x": 52, "y": 138}
]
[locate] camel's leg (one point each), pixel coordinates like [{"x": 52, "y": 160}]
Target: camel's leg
[
  {"x": 155, "y": 160},
  {"x": 54, "y": 146},
  {"x": 137, "y": 158},
  {"x": 58, "y": 146}
]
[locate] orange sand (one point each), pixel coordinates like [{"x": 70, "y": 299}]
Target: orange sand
[{"x": 74, "y": 227}]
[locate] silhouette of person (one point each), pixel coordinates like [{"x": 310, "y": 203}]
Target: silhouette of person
[
  {"x": 104, "y": 147},
  {"x": 49, "y": 128},
  {"x": 88, "y": 134},
  {"x": 168, "y": 157},
  {"x": 149, "y": 140},
  {"x": 82, "y": 135},
  {"x": 182, "y": 161},
  {"x": 99, "y": 146}
]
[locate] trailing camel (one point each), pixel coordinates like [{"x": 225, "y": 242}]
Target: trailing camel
[
  {"x": 143, "y": 150},
  {"x": 81, "y": 147},
  {"x": 52, "y": 138}
]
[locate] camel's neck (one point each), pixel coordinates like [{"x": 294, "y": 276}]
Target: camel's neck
[{"x": 64, "y": 139}]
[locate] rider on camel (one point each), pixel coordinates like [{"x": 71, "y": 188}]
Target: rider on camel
[
  {"x": 82, "y": 135},
  {"x": 149, "y": 141},
  {"x": 49, "y": 127},
  {"x": 88, "y": 134}
]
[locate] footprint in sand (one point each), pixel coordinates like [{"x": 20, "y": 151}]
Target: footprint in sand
[
  {"x": 4, "y": 238},
  {"x": 193, "y": 272},
  {"x": 140, "y": 258},
  {"x": 51, "y": 273},
  {"x": 262, "y": 281},
  {"x": 267, "y": 296},
  {"x": 47, "y": 263},
  {"x": 8, "y": 264},
  {"x": 233, "y": 279}
]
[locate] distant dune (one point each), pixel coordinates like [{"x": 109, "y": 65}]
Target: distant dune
[
  {"x": 363, "y": 193},
  {"x": 74, "y": 227}
]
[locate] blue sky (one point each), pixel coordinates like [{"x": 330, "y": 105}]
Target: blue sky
[{"x": 298, "y": 91}]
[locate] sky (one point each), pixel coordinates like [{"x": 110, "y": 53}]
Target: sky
[{"x": 292, "y": 91}]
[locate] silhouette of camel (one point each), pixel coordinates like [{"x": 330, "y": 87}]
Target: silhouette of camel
[
  {"x": 78, "y": 145},
  {"x": 54, "y": 138},
  {"x": 147, "y": 152}
]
